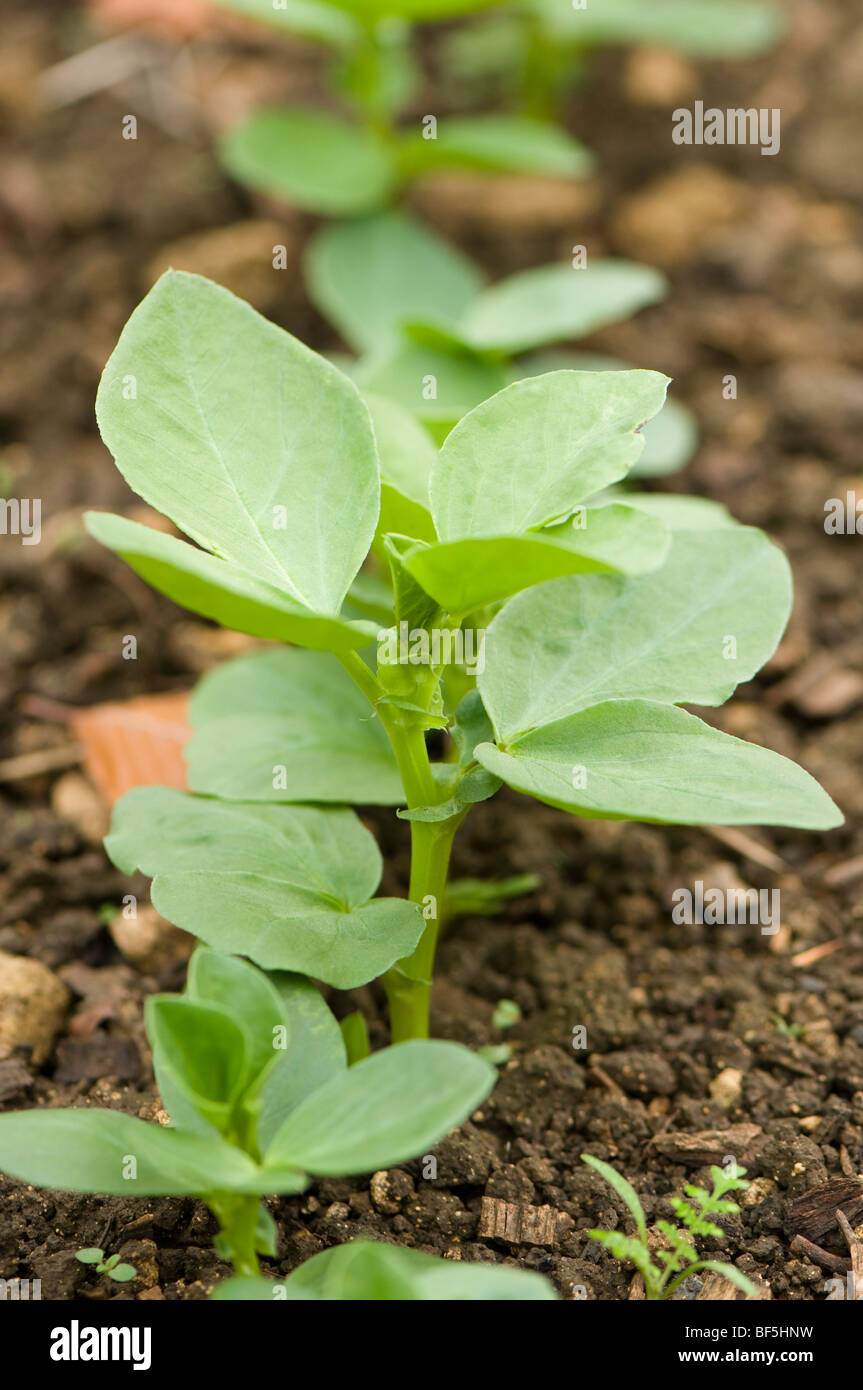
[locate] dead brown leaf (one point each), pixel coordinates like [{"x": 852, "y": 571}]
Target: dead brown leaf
[{"x": 134, "y": 743}]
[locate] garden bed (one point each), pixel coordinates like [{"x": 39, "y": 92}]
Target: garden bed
[{"x": 689, "y": 1029}]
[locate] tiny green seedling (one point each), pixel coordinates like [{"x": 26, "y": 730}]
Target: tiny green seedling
[
  {"x": 432, "y": 337},
  {"x": 491, "y": 590},
  {"x": 120, "y": 1273},
  {"x": 665, "y": 1269}
]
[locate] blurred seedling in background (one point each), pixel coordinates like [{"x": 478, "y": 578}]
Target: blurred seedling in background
[
  {"x": 343, "y": 165},
  {"x": 432, "y": 337}
]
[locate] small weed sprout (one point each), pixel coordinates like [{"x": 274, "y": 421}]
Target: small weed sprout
[
  {"x": 663, "y": 1271},
  {"x": 110, "y": 1265}
]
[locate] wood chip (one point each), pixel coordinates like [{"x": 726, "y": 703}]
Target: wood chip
[
  {"x": 742, "y": 1141},
  {"x": 816, "y": 953},
  {"x": 807, "y": 1248},
  {"x": 520, "y": 1225},
  {"x": 39, "y": 762},
  {"x": 839, "y": 875},
  {"x": 717, "y": 1289},
  {"x": 856, "y": 1248},
  {"x": 814, "y": 1213}
]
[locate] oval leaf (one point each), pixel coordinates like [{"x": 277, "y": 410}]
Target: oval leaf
[
  {"x": 288, "y": 886},
  {"x": 298, "y": 710},
  {"x": 535, "y": 450},
  {"x": 257, "y": 448},
  {"x": 311, "y": 159},
  {"x": 638, "y": 760},
  {"x": 383, "y": 1111},
  {"x": 687, "y": 632},
  {"x": 551, "y": 303}
]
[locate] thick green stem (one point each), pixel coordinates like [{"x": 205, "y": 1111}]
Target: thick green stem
[
  {"x": 408, "y": 982},
  {"x": 238, "y": 1219}
]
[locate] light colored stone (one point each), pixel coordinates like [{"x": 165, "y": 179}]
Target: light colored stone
[
  {"x": 33, "y": 1004},
  {"x": 726, "y": 1087},
  {"x": 75, "y": 799},
  {"x": 149, "y": 941}
]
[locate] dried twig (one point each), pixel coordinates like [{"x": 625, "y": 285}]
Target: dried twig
[
  {"x": 41, "y": 761},
  {"x": 745, "y": 844}
]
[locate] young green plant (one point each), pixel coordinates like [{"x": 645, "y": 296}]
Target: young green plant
[
  {"x": 553, "y": 635},
  {"x": 540, "y": 50},
  {"x": 345, "y": 165},
  {"x": 111, "y": 1265},
  {"x": 252, "y": 1070},
  {"x": 430, "y": 335},
  {"x": 665, "y": 1269}
]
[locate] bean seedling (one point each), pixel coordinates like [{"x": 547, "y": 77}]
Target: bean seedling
[
  {"x": 342, "y": 166},
  {"x": 551, "y": 635},
  {"x": 432, "y": 337},
  {"x": 252, "y": 1070}
]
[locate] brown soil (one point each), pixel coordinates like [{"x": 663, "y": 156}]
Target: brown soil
[{"x": 767, "y": 269}]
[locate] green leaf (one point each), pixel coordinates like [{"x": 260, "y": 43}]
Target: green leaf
[
  {"x": 247, "y": 996},
  {"x": 516, "y": 144},
  {"x": 664, "y": 636},
  {"x": 356, "y": 1036},
  {"x": 105, "y": 1151},
  {"x": 412, "y": 604},
  {"x": 465, "y": 575},
  {"x": 679, "y": 513},
  {"x": 670, "y": 438},
  {"x": 290, "y": 709},
  {"x": 256, "y": 447},
  {"x": 640, "y": 760},
  {"x": 325, "y": 22},
  {"x": 530, "y": 454},
  {"x": 435, "y": 384},
  {"x": 413, "y": 10},
  {"x": 288, "y": 886},
  {"x": 554, "y": 302},
  {"x": 624, "y": 1190},
  {"x": 407, "y": 456},
  {"x": 90, "y": 1256},
  {"x": 122, "y": 1273},
  {"x": 370, "y": 1272},
  {"x": 315, "y": 1053},
  {"x": 710, "y": 29},
  {"x": 383, "y": 1111},
  {"x": 200, "y": 1059},
  {"x": 221, "y": 590},
  {"x": 309, "y": 158},
  {"x": 371, "y": 276}
]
